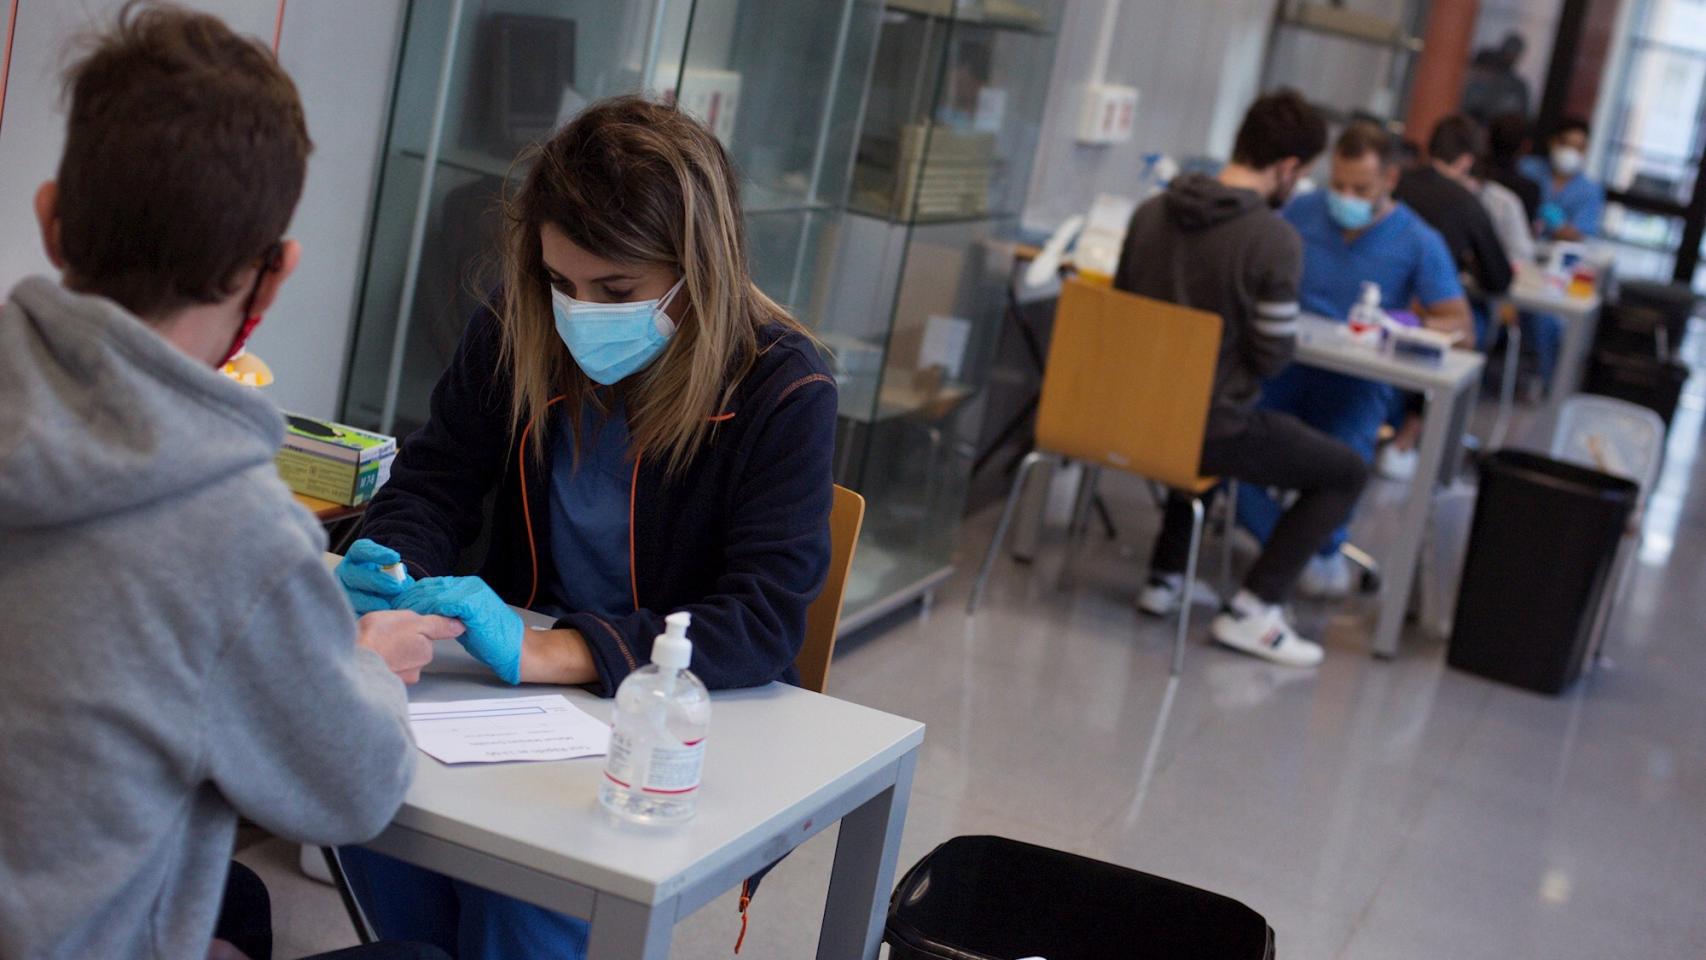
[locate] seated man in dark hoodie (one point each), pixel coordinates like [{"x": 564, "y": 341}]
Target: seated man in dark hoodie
[
  {"x": 1216, "y": 244},
  {"x": 1440, "y": 191},
  {"x": 175, "y": 653}
]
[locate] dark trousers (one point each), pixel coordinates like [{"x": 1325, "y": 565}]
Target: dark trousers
[
  {"x": 1273, "y": 449},
  {"x": 245, "y": 922}
]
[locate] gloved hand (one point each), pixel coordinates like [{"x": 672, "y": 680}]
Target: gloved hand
[
  {"x": 1552, "y": 216},
  {"x": 494, "y": 630},
  {"x": 370, "y": 588}
]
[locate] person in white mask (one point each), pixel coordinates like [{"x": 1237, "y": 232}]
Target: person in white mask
[
  {"x": 1571, "y": 202},
  {"x": 651, "y": 433}
]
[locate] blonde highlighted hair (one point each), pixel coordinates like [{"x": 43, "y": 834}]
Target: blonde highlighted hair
[{"x": 635, "y": 182}]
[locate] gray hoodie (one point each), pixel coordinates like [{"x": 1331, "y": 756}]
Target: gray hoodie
[
  {"x": 1203, "y": 244},
  {"x": 173, "y": 653}
]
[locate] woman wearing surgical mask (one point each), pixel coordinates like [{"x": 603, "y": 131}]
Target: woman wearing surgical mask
[{"x": 655, "y": 434}]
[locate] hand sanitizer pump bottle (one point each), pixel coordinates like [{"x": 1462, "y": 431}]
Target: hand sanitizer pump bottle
[{"x": 657, "y": 734}]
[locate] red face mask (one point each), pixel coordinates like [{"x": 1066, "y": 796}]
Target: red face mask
[
  {"x": 242, "y": 337},
  {"x": 251, "y": 319}
]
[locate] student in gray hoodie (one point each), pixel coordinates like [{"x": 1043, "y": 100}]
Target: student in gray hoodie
[
  {"x": 1216, "y": 244},
  {"x": 173, "y": 652}
]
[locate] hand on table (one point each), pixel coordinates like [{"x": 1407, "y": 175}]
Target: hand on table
[
  {"x": 369, "y": 587},
  {"x": 494, "y": 630},
  {"x": 403, "y": 639}
]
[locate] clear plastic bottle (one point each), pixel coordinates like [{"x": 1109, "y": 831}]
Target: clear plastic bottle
[
  {"x": 1367, "y": 321},
  {"x": 657, "y": 734}
]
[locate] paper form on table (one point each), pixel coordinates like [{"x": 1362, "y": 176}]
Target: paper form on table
[{"x": 500, "y": 730}]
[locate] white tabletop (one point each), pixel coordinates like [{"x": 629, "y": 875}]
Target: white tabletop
[
  {"x": 773, "y": 754},
  {"x": 1531, "y": 292},
  {"x": 1320, "y": 343}
]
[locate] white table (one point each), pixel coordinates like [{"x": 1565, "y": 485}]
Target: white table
[
  {"x": 1579, "y": 315},
  {"x": 1448, "y": 393},
  {"x": 781, "y": 765}
]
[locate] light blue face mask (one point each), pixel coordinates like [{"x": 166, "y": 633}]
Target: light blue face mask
[
  {"x": 611, "y": 341},
  {"x": 1352, "y": 213}
]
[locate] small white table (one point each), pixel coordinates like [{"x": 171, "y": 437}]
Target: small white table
[
  {"x": 781, "y": 765},
  {"x": 1448, "y": 393},
  {"x": 1580, "y": 316}
]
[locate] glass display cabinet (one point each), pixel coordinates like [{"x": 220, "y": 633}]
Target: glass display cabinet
[
  {"x": 913, "y": 305},
  {"x": 778, "y": 81},
  {"x": 884, "y": 152}
]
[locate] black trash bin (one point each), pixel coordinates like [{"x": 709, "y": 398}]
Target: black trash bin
[
  {"x": 1633, "y": 331},
  {"x": 1674, "y": 301},
  {"x": 989, "y": 898},
  {"x": 1653, "y": 383},
  {"x": 1541, "y": 548}
]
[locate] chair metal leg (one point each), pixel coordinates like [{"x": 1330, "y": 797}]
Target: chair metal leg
[
  {"x": 357, "y": 919},
  {"x": 1507, "y": 389},
  {"x": 1019, "y": 477},
  {"x": 1228, "y": 519},
  {"x": 1081, "y": 508},
  {"x": 1190, "y": 586}
]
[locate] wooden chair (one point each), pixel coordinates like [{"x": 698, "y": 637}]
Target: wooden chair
[
  {"x": 823, "y": 617},
  {"x": 1127, "y": 387}
]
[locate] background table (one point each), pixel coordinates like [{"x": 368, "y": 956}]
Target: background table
[
  {"x": 781, "y": 765},
  {"x": 340, "y": 520},
  {"x": 1579, "y": 315},
  {"x": 1448, "y": 393}
]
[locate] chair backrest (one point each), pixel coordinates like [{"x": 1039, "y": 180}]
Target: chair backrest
[
  {"x": 823, "y": 617},
  {"x": 1128, "y": 383},
  {"x": 1612, "y": 436}
]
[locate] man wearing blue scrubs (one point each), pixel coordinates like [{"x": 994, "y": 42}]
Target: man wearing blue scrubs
[
  {"x": 1352, "y": 233},
  {"x": 1570, "y": 203}
]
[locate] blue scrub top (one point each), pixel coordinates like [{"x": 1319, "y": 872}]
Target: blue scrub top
[
  {"x": 1400, "y": 252},
  {"x": 1582, "y": 200},
  {"x": 589, "y": 517}
]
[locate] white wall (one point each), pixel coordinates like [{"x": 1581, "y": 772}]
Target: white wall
[
  {"x": 342, "y": 57},
  {"x": 1197, "y": 65}
]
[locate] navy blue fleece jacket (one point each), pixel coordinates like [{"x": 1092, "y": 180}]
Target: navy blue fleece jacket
[{"x": 740, "y": 539}]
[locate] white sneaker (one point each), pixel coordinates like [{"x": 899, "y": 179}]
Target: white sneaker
[
  {"x": 1396, "y": 464},
  {"x": 1326, "y": 577},
  {"x": 1161, "y": 596},
  {"x": 1251, "y": 626}
]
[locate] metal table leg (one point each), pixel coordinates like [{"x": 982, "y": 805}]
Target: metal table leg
[
  {"x": 1439, "y": 414},
  {"x": 863, "y": 875},
  {"x": 625, "y": 930}
]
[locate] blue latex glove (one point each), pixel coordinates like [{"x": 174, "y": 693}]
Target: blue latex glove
[
  {"x": 1552, "y": 216},
  {"x": 494, "y": 630},
  {"x": 370, "y": 588}
]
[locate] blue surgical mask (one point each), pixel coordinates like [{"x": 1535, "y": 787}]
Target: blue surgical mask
[
  {"x": 611, "y": 341},
  {"x": 1350, "y": 212}
]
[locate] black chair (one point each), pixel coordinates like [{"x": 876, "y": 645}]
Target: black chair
[{"x": 989, "y": 898}]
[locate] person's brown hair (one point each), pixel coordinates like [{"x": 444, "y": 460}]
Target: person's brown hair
[
  {"x": 1279, "y": 126},
  {"x": 635, "y": 182},
  {"x": 1455, "y": 136},
  {"x": 1364, "y": 137},
  {"x": 185, "y": 152}
]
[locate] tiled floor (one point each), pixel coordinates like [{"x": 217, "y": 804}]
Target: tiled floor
[{"x": 1370, "y": 809}]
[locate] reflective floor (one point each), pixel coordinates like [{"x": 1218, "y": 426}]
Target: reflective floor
[{"x": 1369, "y": 809}]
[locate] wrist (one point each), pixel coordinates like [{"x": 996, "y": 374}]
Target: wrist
[{"x": 558, "y": 656}]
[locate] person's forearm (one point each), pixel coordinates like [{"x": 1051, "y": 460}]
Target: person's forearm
[
  {"x": 1452, "y": 316},
  {"x": 556, "y": 656}
]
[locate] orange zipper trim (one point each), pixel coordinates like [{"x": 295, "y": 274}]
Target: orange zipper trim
[{"x": 526, "y": 509}]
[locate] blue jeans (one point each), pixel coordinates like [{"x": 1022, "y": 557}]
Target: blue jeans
[
  {"x": 1346, "y": 408},
  {"x": 409, "y": 903},
  {"x": 1543, "y": 334}
]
